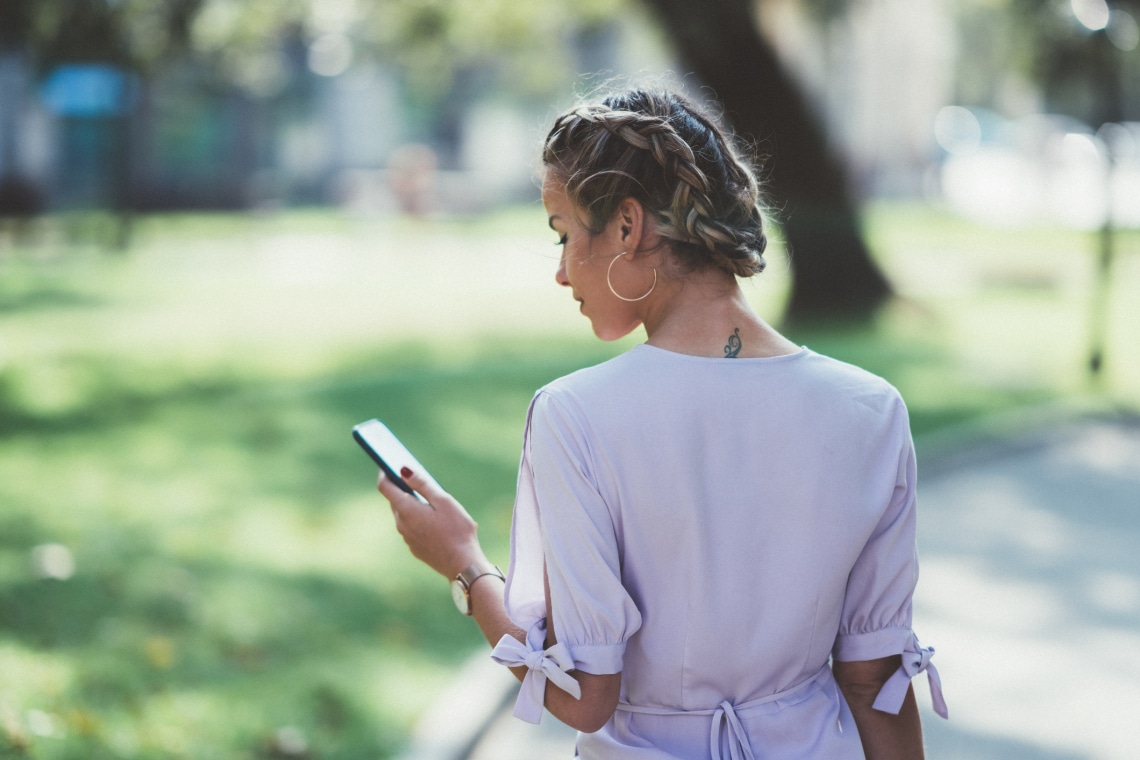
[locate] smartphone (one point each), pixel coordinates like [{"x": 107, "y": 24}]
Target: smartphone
[{"x": 387, "y": 451}]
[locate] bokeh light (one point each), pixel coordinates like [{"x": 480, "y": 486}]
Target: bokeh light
[
  {"x": 330, "y": 54},
  {"x": 1093, "y": 14},
  {"x": 53, "y": 561},
  {"x": 957, "y": 130},
  {"x": 1122, "y": 30}
]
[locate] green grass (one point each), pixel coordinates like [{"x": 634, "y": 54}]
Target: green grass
[{"x": 177, "y": 416}]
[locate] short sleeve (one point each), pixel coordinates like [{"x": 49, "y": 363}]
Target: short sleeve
[
  {"x": 878, "y": 607},
  {"x": 562, "y": 523}
]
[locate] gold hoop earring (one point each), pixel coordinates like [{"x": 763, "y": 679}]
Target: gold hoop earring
[{"x": 616, "y": 294}]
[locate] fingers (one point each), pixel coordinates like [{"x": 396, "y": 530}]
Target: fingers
[
  {"x": 443, "y": 535},
  {"x": 392, "y": 492},
  {"x": 422, "y": 485}
]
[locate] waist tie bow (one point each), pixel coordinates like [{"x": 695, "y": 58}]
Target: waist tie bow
[
  {"x": 915, "y": 659},
  {"x": 541, "y": 664},
  {"x": 726, "y": 716},
  {"x": 738, "y": 747}
]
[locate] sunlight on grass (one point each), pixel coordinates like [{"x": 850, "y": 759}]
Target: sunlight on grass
[
  {"x": 28, "y": 674},
  {"x": 174, "y": 423}
]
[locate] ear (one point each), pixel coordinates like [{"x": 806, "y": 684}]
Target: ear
[{"x": 633, "y": 227}]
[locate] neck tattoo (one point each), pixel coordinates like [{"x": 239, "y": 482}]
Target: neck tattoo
[{"x": 732, "y": 349}]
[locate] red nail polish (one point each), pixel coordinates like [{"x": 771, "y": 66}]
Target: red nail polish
[{"x": 406, "y": 472}]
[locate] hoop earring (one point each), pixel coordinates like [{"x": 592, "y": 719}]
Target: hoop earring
[{"x": 616, "y": 295}]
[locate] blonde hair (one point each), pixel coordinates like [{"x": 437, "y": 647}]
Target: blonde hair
[{"x": 660, "y": 148}]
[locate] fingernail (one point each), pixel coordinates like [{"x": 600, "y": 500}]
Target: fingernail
[{"x": 406, "y": 472}]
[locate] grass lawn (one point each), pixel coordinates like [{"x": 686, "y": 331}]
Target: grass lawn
[{"x": 193, "y": 561}]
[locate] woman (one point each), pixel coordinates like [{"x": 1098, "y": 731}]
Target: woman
[{"x": 707, "y": 520}]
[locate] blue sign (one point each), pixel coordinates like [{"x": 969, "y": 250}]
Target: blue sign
[{"x": 88, "y": 89}]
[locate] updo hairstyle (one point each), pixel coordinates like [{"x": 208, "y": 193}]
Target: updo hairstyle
[{"x": 661, "y": 149}]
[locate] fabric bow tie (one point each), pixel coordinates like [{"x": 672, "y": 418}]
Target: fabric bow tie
[
  {"x": 541, "y": 664},
  {"x": 915, "y": 660},
  {"x": 725, "y": 718}
]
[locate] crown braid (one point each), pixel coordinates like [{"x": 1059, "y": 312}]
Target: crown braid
[{"x": 659, "y": 148}]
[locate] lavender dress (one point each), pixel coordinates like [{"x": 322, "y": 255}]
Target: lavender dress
[{"x": 716, "y": 530}]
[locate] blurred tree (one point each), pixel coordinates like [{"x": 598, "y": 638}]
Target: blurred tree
[
  {"x": 18, "y": 196},
  {"x": 834, "y": 275},
  {"x": 1083, "y": 70},
  {"x": 443, "y": 45},
  {"x": 16, "y": 18},
  {"x": 132, "y": 36},
  {"x": 135, "y": 34},
  {"x": 1076, "y": 54},
  {"x": 445, "y": 51},
  {"x": 1081, "y": 54}
]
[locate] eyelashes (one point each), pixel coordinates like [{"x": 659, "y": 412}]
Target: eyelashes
[{"x": 562, "y": 240}]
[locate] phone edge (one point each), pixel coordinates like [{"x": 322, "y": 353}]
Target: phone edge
[{"x": 388, "y": 471}]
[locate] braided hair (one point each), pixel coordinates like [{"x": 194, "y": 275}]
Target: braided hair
[{"x": 661, "y": 149}]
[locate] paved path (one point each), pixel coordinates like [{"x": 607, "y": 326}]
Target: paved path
[{"x": 1030, "y": 592}]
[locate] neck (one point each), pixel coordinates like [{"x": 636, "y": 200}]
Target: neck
[{"x": 706, "y": 314}]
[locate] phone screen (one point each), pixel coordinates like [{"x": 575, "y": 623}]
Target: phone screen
[{"x": 388, "y": 452}]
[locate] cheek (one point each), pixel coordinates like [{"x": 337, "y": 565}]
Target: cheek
[
  {"x": 590, "y": 261},
  {"x": 577, "y": 268}
]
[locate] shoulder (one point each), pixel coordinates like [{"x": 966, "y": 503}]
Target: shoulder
[
  {"x": 843, "y": 382},
  {"x": 597, "y": 382},
  {"x": 576, "y": 403}
]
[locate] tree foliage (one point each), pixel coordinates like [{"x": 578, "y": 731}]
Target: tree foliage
[
  {"x": 1077, "y": 69},
  {"x": 435, "y": 43},
  {"x": 437, "y": 46},
  {"x": 429, "y": 40},
  {"x": 131, "y": 33}
]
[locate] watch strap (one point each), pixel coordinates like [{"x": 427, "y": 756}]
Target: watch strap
[{"x": 473, "y": 572}]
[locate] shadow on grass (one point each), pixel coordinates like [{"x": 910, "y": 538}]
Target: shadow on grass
[
  {"x": 45, "y": 299},
  {"x": 145, "y": 634},
  {"x": 109, "y": 397},
  {"x": 220, "y": 592}
]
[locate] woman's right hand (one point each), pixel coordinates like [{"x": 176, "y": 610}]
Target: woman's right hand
[{"x": 440, "y": 533}]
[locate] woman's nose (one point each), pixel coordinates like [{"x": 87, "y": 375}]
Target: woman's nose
[{"x": 560, "y": 275}]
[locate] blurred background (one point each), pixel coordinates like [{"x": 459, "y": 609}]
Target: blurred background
[{"x": 231, "y": 230}]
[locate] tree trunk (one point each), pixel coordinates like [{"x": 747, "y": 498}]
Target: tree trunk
[{"x": 834, "y": 276}]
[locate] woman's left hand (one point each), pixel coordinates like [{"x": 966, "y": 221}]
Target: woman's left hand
[{"x": 440, "y": 533}]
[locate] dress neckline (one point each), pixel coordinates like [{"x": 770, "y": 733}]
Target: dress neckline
[{"x": 801, "y": 352}]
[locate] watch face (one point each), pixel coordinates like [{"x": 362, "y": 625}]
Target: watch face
[{"x": 459, "y": 595}]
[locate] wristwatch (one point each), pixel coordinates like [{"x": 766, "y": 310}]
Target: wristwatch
[{"x": 461, "y": 586}]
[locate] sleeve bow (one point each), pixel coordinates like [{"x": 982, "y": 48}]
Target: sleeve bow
[
  {"x": 915, "y": 659},
  {"x": 541, "y": 664}
]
